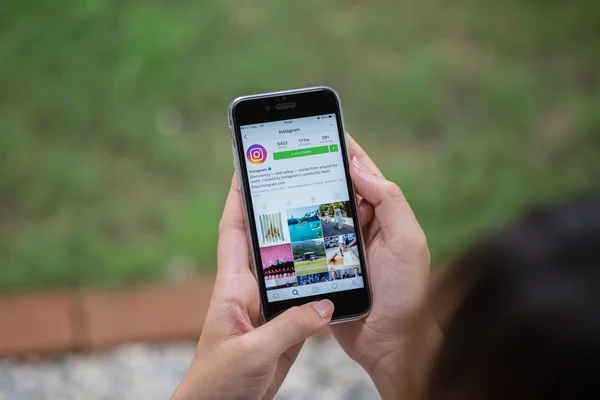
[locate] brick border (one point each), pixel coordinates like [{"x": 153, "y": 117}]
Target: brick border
[
  {"x": 36, "y": 323},
  {"x": 56, "y": 322},
  {"x": 152, "y": 313}
]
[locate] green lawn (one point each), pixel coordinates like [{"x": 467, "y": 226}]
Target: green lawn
[
  {"x": 311, "y": 267},
  {"x": 114, "y": 149}
]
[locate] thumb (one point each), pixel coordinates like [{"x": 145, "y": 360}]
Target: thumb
[{"x": 292, "y": 327}]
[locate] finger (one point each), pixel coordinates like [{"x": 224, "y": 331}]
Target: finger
[
  {"x": 292, "y": 327},
  {"x": 232, "y": 251},
  {"x": 289, "y": 356},
  {"x": 284, "y": 363},
  {"x": 362, "y": 156},
  {"x": 365, "y": 212},
  {"x": 389, "y": 204}
]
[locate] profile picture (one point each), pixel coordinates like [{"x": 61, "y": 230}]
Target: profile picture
[
  {"x": 304, "y": 223},
  {"x": 336, "y": 218},
  {"x": 256, "y": 154}
]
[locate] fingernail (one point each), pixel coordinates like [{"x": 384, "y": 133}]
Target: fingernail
[
  {"x": 358, "y": 165},
  {"x": 324, "y": 308}
]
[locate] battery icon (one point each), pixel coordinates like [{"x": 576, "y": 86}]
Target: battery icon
[{"x": 330, "y": 116}]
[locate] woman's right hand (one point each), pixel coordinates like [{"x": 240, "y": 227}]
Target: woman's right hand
[
  {"x": 237, "y": 356},
  {"x": 398, "y": 271}
]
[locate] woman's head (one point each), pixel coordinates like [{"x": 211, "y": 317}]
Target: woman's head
[{"x": 525, "y": 320}]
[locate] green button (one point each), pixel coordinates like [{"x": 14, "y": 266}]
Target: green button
[
  {"x": 333, "y": 148},
  {"x": 310, "y": 151}
]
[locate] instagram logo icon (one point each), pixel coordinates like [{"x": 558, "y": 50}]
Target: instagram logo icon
[{"x": 256, "y": 154}]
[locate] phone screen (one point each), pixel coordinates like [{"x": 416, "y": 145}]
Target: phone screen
[{"x": 304, "y": 222}]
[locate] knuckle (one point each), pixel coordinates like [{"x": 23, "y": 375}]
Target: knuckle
[
  {"x": 420, "y": 239},
  {"x": 298, "y": 322},
  {"x": 222, "y": 225},
  {"x": 226, "y": 225},
  {"x": 424, "y": 248},
  {"x": 245, "y": 346},
  {"x": 412, "y": 243},
  {"x": 417, "y": 240},
  {"x": 393, "y": 190}
]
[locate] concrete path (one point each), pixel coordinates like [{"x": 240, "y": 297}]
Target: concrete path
[{"x": 144, "y": 371}]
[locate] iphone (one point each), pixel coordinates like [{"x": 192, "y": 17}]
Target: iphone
[{"x": 292, "y": 162}]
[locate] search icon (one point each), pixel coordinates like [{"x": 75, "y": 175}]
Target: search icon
[{"x": 295, "y": 292}]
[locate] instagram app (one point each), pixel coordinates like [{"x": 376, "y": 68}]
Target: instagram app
[{"x": 256, "y": 154}]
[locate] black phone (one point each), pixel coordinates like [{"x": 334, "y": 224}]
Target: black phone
[{"x": 292, "y": 160}]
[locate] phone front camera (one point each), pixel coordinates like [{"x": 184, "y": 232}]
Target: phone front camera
[{"x": 267, "y": 108}]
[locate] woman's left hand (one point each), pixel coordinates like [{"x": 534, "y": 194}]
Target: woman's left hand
[{"x": 236, "y": 357}]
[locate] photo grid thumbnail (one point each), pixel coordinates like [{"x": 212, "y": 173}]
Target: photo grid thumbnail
[
  {"x": 341, "y": 251},
  {"x": 278, "y": 266},
  {"x": 270, "y": 228},
  {"x": 311, "y": 279},
  {"x": 309, "y": 257},
  {"x": 345, "y": 273},
  {"x": 304, "y": 223},
  {"x": 336, "y": 218}
]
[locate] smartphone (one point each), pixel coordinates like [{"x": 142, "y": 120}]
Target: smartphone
[{"x": 292, "y": 161}]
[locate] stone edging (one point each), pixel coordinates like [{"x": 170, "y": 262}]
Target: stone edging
[{"x": 56, "y": 322}]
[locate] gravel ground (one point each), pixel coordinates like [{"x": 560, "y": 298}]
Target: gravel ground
[{"x": 145, "y": 371}]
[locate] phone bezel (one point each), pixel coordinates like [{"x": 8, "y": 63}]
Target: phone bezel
[{"x": 350, "y": 304}]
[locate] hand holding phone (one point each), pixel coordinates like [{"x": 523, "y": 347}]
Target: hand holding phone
[{"x": 236, "y": 356}]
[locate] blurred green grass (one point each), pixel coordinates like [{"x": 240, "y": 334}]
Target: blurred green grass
[{"x": 114, "y": 148}]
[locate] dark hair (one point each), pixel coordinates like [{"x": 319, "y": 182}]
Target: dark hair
[{"x": 527, "y": 322}]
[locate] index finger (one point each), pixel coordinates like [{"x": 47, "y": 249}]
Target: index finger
[{"x": 363, "y": 157}]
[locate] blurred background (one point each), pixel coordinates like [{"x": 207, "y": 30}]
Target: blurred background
[{"x": 114, "y": 148}]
